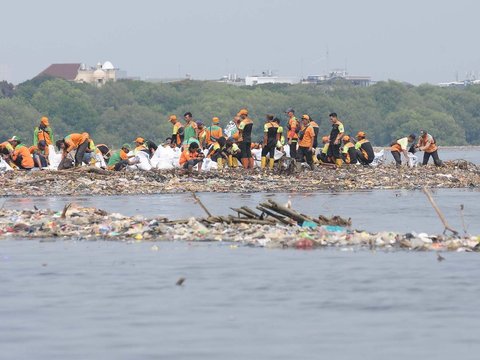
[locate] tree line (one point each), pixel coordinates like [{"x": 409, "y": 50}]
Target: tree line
[{"x": 119, "y": 112}]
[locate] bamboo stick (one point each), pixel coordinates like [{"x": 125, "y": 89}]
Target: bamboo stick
[{"x": 439, "y": 212}]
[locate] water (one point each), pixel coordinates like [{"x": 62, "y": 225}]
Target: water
[
  {"x": 110, "y": 300},
  {"x": 378, "y": 210},
  {"x": 471, "y": 154}
]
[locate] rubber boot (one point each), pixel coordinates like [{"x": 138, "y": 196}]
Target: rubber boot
[
  {"x": 251, "y": 162},
  {"x": 220, "y": 163},
  {"x": 264, "y": 162},
  {"x": 339, "y": 163},
  {"x": 271, "y": 163},
  {"x": 314, "y": 158},
  {"x": 234, "y": 162},
  {"x": 230, "y": 161}
]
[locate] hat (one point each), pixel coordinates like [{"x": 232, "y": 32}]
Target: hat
[
  {"x": 361, "y": 134},
  {"x": 44, "y": 121},
  {"x": 215, "y": 120},
  {"x": 42, "y": 143},
  {"x": 346, "y": 138},
  {"x": 289, "y": 110},
  {"x": 413, "y": 136},
  {"x": 139, "y": 140},
  {"x": 126, "y": 146},
  {"x": 173, "y": 117},
  {"x": 199, "y": 122},
  {"x": 243, "y": 112},
  {"x": 15, "y": 138},
  {"x": 306, "y": 117}
]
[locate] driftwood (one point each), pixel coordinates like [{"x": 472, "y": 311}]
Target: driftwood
[
  {"x": 439, "y": 212},
  {"x": 40, "y": 180},
  {"x": 197, "y": 200}
]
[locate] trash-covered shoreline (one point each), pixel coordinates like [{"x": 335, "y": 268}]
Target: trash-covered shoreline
[
  {"x": 93, "y": 181},
  {"x": 78, "y": 223}
]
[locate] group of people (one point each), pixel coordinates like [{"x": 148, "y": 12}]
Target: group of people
[{"x": 226, "y": 147}]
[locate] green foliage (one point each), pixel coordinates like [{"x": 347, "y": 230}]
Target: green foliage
[{"x": 119, "y": 112}]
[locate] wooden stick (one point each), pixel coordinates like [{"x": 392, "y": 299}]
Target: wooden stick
[
  {"x": 34, "y": 181},
  {"x": 439, "y": 212},
  {"x": 197, "y": 199},
  {"x": 243, "y": 212},
  {"x": 65, "y": 209},
  {"x": 282, "y": 219}
]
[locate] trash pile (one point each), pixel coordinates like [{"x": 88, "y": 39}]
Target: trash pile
[
  {"x": 95, "y": 181},
  {"x": 78, "y": 223}
]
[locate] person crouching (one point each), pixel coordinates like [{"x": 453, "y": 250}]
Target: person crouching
[{"x": 192, "y": 156}]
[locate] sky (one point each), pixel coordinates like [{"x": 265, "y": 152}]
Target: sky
[{"x": 413, "y": 41}]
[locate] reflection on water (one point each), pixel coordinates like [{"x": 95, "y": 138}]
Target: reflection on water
[
  {"x": 111, "y": 300},
  {"x": 378, "y": 210}
]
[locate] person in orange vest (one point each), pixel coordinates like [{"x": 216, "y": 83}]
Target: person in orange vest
[
  {"x": 400, "y": 146},
  {"x": 21, "y": 156},
  {"x": 177, "y": 132},
  {"x": 428, "y": 145},
  {"x": 191, "y": 156},
  {"x": 202, "y": 134},
  {"x": 316, "y": 128},
  {"x": 293, "y": 128},
  {"x": 306, "y": 138},
  {"x": 214, "y": 131},
  {"x": 323, "y": 157},
  {"x": 38, "y": 152},
  {"x": 270, "y": 139},
  {"x": 75, "y": 141},
  {"x": 349, "y": 153},
  {"x": 336, "y": 136},
  {"x": 6, "y": 148},
  {"x": 43, "y": 132},
  {"x": 365, "y": 153},
  {"x": 245, "y": 139}
]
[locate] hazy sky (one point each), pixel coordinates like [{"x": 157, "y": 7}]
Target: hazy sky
[{"x": 415, "y": 41}]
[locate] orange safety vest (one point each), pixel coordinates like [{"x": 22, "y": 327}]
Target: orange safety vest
[{"x": 428, "y": 138}]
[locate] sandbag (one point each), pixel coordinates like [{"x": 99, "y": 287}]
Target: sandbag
[
  {"x": 143, "y": 162},
  {"x": 4, "y": 166}
]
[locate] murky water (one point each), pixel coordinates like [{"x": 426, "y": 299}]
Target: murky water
[
  {"x": 378, "y": 210},
  {"x": 110, "y": 300}
]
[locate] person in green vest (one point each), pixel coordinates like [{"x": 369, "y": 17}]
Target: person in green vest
[
  {"x": 120, "y": 159},
  {"x": 190, "y": 128}
]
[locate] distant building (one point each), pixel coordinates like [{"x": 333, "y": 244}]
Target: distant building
[
  {"x": 267, "y": 77},
  {"x": 81, "y": 73},
  {"x": 232, "y": 79},
  {"x": 338, "y": 75}
]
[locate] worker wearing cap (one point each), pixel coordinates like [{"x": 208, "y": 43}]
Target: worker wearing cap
[
  {"x": 306, "y": 138},
  {"x": 245, "y": 139},
  {"x": 316, "y": 129},
  {"x": 202, "y": 134},
  {"x": 191, "y": 156},
  {"x": 21, "y": 156},
  {"x": 119, "y": 160},
  {"x": 281, "y": 134},
  {"x": 293, "y": 128},
  {"x": 348, "y": 151},
  {"x": 336, "y": 136},
  {"x": 6, "y": 148},
  {"x": 190, "y": 128},
  {"x": 140, "y": 146},
  {"x": 323, "y": 157},
  {"x": 38, "y": 152},
  {"x": 214, "y": 131},
  {"x": 218, "y": 153},
  {"x": 78, "y": 142},
  {"x": 365, "y": 153},
  {"x": 270, "y": 139},
  {"x": 43, "y": 132},
  {"x": 177, "y": 131},
  {"x": 400, "y": 146},
  {"x": 428, "y": 145}
]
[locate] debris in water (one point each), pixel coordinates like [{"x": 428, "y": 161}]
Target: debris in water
[{"x": 180, "y": 281}]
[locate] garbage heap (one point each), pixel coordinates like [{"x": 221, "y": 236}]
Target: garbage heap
[{"x": 277, "y": 230}]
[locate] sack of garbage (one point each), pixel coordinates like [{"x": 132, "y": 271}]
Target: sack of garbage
[
  {"x": 164, "y": 158},
  {"x": 412, "y": 160},
  {"x": 54, "y": 158},
  {"x": 142, "y": 162},
  {"x": 4, "y": 166},
  {"x": 380, "y": 158}
]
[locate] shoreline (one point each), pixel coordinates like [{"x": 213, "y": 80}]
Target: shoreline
[{"x": 92, "y": 181}]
